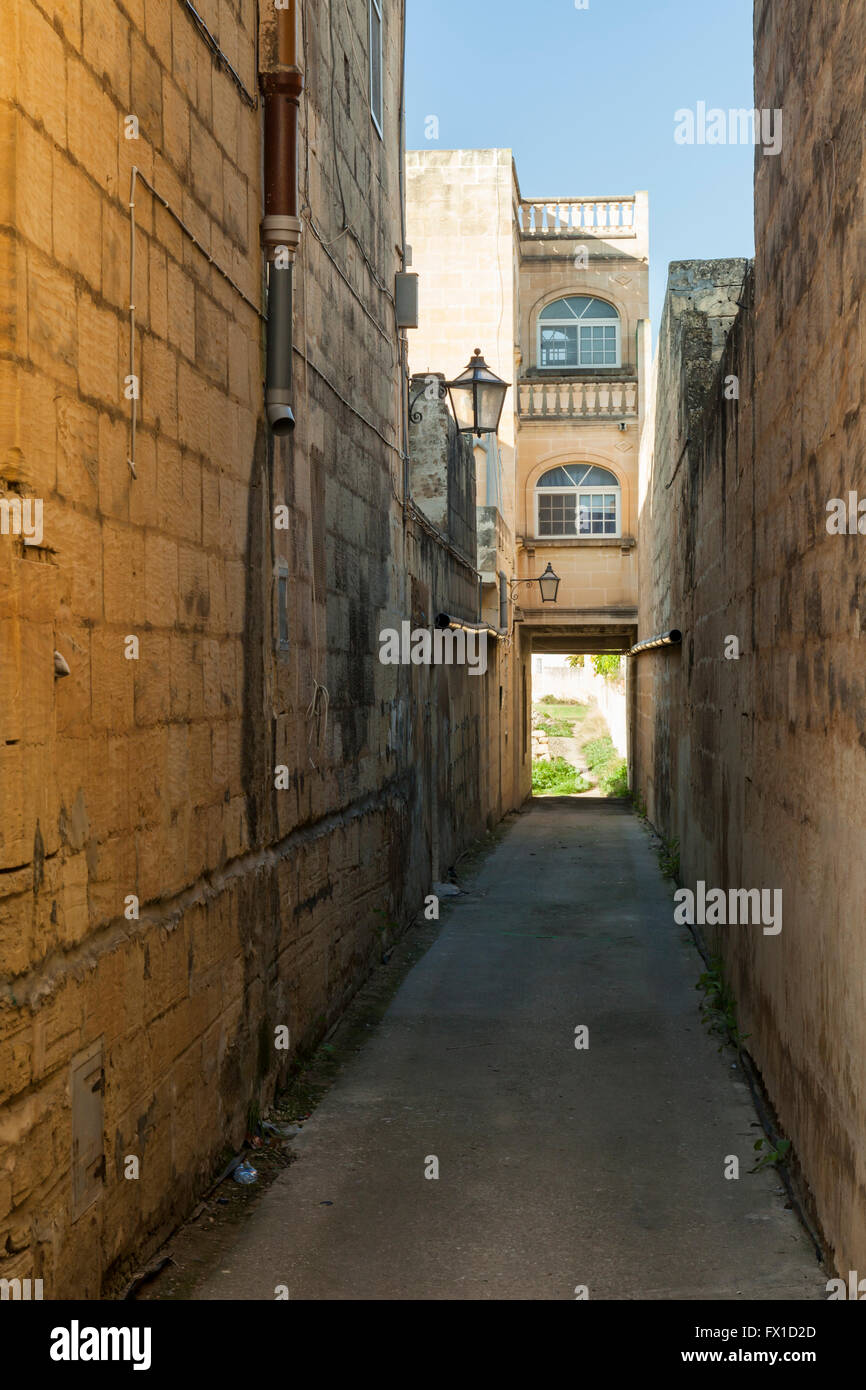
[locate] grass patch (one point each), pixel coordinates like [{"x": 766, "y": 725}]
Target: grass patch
[
  {"x": 599, "y": 751},
  {"x": 557, "y": 778},
  {"x": 614, "y": 779},
  {"x": 609, "y": 769},
  {"x": 556, "y": 728},
  {"x": 557, "y": 717},
  {"x": 562, "y": 709}
]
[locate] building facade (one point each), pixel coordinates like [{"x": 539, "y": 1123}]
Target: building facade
[{"x": 555, "y": 292}]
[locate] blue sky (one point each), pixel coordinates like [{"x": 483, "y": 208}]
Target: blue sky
[{"x": 586, "y": 100}]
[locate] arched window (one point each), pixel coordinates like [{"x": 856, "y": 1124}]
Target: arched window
[
  {"x": 578, "y": 332},
  {"x": 578, "y": 500}
]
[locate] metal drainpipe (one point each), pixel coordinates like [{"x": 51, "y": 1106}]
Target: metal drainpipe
[
  {"x": 503, "y": 600},
  {"x": 445, "y": 620},
  {"x": 405, "y": 380},
  {"x": 281, "y": 227},
  {"x": 664, "y": 639}
]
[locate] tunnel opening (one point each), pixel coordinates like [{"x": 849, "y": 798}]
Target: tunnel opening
[{"x": 578, "y": 724}]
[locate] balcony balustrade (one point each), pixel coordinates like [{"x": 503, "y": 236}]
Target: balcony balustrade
[
  {"x": 576, "y": 217},
  {"x": 584, "y": 399}
]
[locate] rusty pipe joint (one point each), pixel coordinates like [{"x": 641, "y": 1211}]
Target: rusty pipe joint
[{"x": 281, "y": 91}]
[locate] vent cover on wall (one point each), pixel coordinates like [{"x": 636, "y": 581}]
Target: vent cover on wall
[{"x": 406, "y": 298}]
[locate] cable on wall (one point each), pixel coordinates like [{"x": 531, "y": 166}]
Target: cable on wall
[
  {"x": 137, "y": 176},
  {"x": 212, "y": 42}
]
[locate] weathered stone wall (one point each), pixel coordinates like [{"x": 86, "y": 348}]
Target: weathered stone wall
[
  {"x": 459, "y": 224},
  {"x": 125, "y": 777},
  {"x": 700, "y": 307},
  {"x": 442, "y": 469},
  {"x": 461, "y": 230},
  {"x": 470, "y": 746},
  {"x": 756, "y": 764},
  {"x": 259, "y": 891}
]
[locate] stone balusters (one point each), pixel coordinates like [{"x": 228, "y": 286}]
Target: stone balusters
[
  {"x": 576, "y": 217},
  {"x": 576, "y": 399}
]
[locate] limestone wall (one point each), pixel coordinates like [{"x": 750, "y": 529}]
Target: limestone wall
[
  {"x": 459, "y": 225},
  {"x": 200, "y": 834},
  {"x": 756, "y": 764}
]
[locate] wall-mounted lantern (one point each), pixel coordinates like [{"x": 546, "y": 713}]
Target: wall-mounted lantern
[
  {"x": 477, "y": 397},
  {"x": 548, "y": 584}
]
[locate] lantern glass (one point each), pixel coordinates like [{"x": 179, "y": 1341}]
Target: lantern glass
[
  {"x": 463, "y": 404},
  {"x": 548, "y": 583},
  {"x": 477, "y": 397}
]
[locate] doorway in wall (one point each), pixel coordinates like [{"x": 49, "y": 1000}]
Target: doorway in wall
[{"x": 578, "y": 725}]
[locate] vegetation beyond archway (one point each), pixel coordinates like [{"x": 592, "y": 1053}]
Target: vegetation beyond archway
[{"x": 572, "y": 748}]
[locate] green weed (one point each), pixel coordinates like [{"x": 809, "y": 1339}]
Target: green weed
[
  {"x": 774, "y": 1153},
  {"x": 669, "y": 858},
  {"x": 611, "y": 771},
  {"x": 599, "y": 751},
  {"x": 556, "y": 728},
  {"x": 718, "y": 1008},
  {"x": 557, "y": 778},
  {"x": 613, "y": 780}
]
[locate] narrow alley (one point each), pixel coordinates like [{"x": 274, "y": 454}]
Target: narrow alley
[
  {"x": 432, "y": 692},
  {"x": 558, "y": 1166}
]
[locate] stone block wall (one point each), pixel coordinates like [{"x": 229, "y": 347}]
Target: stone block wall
[
  {"x": 200, "y": 829},
  {"x": 756, "y": 763},
  {"x": 122, "y": 803}
]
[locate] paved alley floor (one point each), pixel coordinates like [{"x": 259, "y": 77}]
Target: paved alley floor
[{"x": 558, "y": 1167}]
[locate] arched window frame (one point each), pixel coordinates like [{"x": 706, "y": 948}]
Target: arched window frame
[
  {"x": 568, "y": 321},
  {"x": 590, "y": 526}
]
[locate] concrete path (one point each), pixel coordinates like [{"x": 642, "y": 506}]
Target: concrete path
[{"x": 557, "y": 1167}]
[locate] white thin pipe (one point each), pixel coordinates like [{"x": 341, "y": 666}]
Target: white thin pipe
[{"x": 132, "y": 380}]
